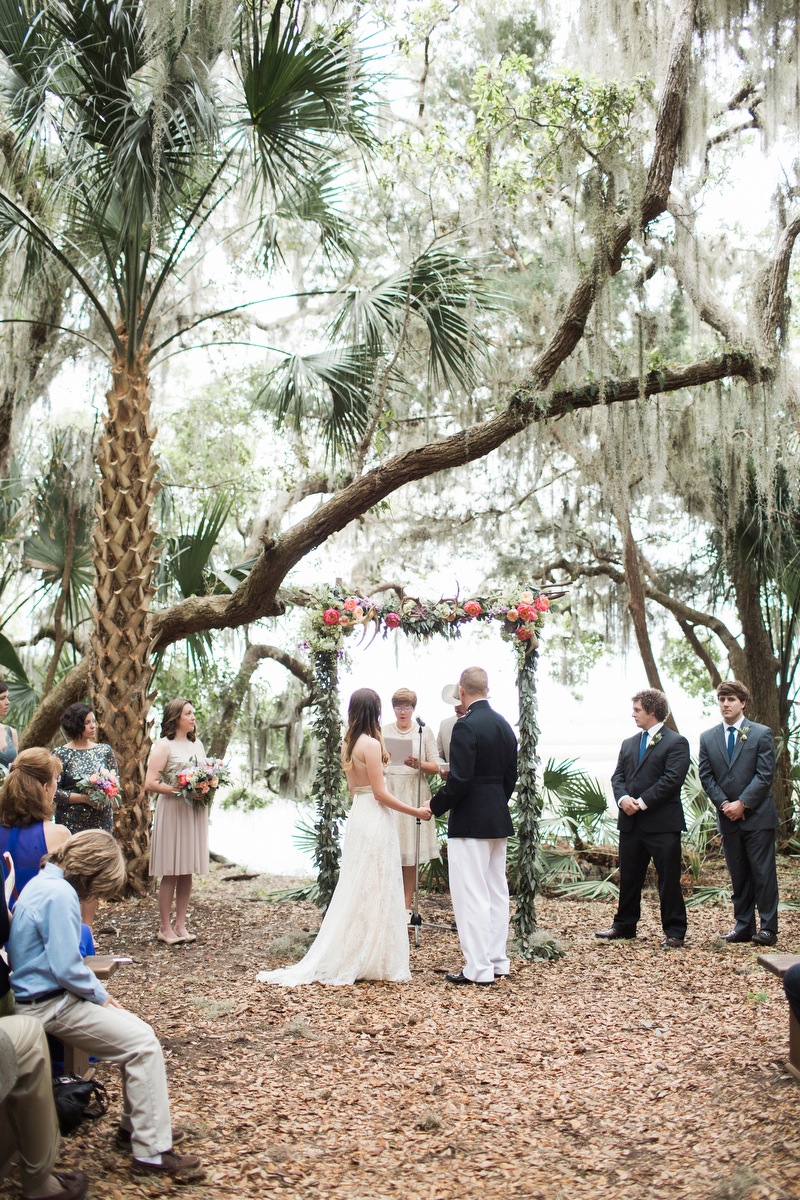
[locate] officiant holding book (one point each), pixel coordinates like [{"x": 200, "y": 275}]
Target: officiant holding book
[{"x": 403, "y": 781}]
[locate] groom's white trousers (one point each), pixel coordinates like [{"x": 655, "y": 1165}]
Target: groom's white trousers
[{"x": 479, "y": 891}]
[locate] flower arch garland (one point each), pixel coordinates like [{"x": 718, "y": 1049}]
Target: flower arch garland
[{"x": 334, "y": 616}]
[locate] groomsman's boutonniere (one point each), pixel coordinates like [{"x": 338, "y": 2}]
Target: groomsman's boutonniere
[
  {"x": 743, "y": 732},
  {"x": 654, "y": 741}
]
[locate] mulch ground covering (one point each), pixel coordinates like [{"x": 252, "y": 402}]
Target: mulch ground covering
[{"x": 620, "y": 1071}]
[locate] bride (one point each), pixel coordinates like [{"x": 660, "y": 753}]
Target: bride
[{"x": 363, "y": 934}]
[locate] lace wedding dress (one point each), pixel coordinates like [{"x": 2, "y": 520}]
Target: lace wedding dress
[{"x": 364, "y": 932}]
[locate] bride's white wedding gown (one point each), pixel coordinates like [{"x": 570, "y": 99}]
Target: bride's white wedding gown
[{"x": 364, "y": 932}]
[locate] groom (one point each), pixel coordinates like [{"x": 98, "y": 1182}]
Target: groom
[{"x": 483, "y": 772}]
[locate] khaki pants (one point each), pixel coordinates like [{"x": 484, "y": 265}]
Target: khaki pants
[
  {"x": 121, "y": 1037},
  {"x": 28, "y": 1122}
]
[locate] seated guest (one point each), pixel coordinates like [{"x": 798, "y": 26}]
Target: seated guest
[
  {"x": 27, "y": 805},
  {"x": 53, "y": 984},
  {"x": 791, "y": 985},
  {"x": 28, "y": 1122}
]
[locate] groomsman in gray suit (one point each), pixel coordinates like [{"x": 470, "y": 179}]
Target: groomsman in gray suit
[{"x": 737, "y": 767}]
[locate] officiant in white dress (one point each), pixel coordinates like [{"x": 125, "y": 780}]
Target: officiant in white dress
[{"x": 402, "y": 778}]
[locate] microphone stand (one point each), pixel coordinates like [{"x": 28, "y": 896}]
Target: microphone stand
[{"x": 416, "y": 921}]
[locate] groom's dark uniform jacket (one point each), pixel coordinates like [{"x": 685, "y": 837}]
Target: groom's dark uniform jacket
[{"x": 483, "y": 772}]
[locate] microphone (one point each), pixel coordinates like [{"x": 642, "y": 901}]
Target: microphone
[{"x": 420, "y": 722}]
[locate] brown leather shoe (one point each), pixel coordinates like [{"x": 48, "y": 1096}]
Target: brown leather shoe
[
  {"x": 123, "y": 1136},
  {"x": 73, "y": 1184},
  {"x": 671, "y": 943},
  {"x": 612, "y": 934},
  {"x": 171, "y": 1164}
]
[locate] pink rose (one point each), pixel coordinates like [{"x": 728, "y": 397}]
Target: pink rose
[
  {"x": 392, "y": 620},
  {"x": 472, "y": 608},
  {"x": 350, "y": 604},
  {"x": 523, "y": 633},
  {"x": 541, "y": 604},
  {"x": 512, "y": 615},
  {"x": 344, "y": 622},
  {"x": 526, "y": 597},
  {"x": 331, "y": 616},
  {"x": 525, "y": 612},
  {"x": 358, "y": 612}
]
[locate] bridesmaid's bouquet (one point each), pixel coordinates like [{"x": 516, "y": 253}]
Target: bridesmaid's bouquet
[
  {"x": 100, "y": 787},
  {"x": 198, "y": 782}
]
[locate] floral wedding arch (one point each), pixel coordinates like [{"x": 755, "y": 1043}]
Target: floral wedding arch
[{"x": 333, "y": 617}]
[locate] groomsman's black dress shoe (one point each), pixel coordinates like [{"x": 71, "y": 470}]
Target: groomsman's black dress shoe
[
  {"x": 765, "y": 938},
  {"x": 671, "y": 943},
  {"x": 611, "y": 935},
  {"x": 459, "y": 977},
  {"x": 733, "y": 936}
]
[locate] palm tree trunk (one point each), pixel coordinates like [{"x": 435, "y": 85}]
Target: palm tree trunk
[{"x": 124, "y": 562}]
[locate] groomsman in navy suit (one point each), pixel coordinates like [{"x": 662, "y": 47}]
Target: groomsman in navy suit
[
  {"x": 647, "y": 784},
  {"x": 737, "y": 767}
]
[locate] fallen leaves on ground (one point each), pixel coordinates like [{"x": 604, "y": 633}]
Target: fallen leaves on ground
[{"x": 621, "y": 1070}]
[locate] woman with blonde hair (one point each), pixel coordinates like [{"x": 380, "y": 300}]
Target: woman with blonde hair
[
  {"x": 363, "y": 934},
  {"x": 53, "y": 984},
  {"x": 179, "y": 846},
  {"x": 27, "y": 805}
]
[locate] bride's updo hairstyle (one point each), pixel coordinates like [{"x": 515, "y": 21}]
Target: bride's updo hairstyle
[
  {"x": 169, "y": 721},
  {"x": 23, "y": 800},
  {"x": 364, "y": 716}
]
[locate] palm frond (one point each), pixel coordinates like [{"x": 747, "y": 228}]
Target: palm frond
[
  {"x": 590, "y": 889},
  {"x": 441, "y": 295},
  {"x": 332, "y": 387},
  {"x": 301, "y": 95},
  {"x": 708, "y": 894}
]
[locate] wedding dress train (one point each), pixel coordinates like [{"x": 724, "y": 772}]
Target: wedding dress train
[{"x": 364, "y": 932}]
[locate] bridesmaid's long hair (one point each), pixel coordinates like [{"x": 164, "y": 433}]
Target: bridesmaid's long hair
[
  {"x": 364, "y": 716},
  {"x": 169, "y": 721}
]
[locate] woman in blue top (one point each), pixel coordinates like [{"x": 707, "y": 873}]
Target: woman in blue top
[
  {"x": 27, "y": 831},
  {"x": 53, "y": 984},
  {"x": 9, "y": 746}
]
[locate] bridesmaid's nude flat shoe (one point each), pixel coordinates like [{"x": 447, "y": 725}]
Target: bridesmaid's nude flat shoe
[
  {"x": 169, "y": 941},
  {"x": 187, "y": 937}
]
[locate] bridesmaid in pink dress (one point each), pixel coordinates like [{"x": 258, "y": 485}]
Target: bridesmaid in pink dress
[{"x": 179, "y": 845}]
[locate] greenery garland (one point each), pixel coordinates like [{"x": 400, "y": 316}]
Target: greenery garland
[
  {"x": 529, "y": 806},
  {"x": 328, "y": 792}
]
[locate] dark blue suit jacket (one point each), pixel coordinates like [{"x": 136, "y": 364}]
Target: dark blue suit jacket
[{"x": 483, "y": 772}]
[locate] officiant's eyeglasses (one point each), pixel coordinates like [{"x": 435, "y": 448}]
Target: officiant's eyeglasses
[{"x": 403, "y": 707}]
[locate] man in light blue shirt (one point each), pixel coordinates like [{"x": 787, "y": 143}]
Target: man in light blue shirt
[{"x": 53, "y": 984}]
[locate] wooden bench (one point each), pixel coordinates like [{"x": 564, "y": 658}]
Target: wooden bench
[
  {"x": 76, "y": 1062},
  {"x": 779, "y": 964}
]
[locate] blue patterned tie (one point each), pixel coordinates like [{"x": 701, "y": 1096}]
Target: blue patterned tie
[
  {"x": 731, "y": 741},
  {"x": 642, "y": 744}
]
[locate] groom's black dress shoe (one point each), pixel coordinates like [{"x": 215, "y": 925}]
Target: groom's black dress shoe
[
  {"x": 765, "y": 938},
  {"x": 459, "y": 977},
  {"x": 733, "y": 936},
  {"x": 611, "y": 935},
  {"x": 672, "y": 943}
]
